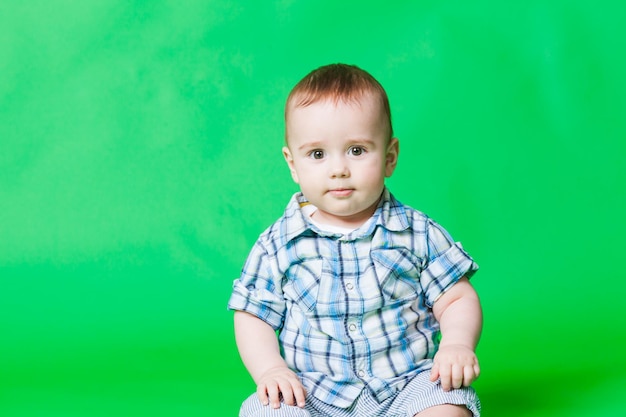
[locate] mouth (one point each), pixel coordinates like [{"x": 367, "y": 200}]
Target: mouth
[{"x": 341, "y": 192}]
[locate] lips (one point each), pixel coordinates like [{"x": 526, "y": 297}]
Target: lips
[{"x": 341, "y": 192}]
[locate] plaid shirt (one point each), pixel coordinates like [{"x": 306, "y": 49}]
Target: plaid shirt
[{"x": 353, "y": 311}]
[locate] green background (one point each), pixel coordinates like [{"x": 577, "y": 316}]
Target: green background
[{"x": 140, "y": 159}]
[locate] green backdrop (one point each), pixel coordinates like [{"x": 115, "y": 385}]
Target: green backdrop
[{"x": 140, "y": 159}]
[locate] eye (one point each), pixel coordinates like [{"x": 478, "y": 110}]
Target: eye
[
  {"x": 316, "y": 154},
  {"x": 357, "y": 151}
]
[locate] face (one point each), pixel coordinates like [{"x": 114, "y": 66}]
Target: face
[{"x": 339, "y": 154}]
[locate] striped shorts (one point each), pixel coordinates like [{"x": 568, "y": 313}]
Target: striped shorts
[{"x": 419, "y": 394}]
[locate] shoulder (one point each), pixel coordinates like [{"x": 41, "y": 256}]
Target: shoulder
[
  {"x": 415, "y": 226},
  {"x": 406, "y": 215},
  {"x": 288, "y": 226}
]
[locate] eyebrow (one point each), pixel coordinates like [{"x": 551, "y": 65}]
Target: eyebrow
[
  {"x": 351, "y": 142},
  {"x": 310, "y": 145}
]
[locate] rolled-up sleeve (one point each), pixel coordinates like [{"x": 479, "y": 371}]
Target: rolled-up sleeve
[
  {"x": 447, "y": 263},
  {"x": 258, "y": 290}
]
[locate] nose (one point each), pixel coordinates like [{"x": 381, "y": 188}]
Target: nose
[{"x": 339, "y": 168}]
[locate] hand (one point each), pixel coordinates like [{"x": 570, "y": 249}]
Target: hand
[
  {"x": 456, "y": 366},
  {"x": 280, "y": 381}
]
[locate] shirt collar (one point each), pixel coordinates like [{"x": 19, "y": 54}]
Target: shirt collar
[{"x": 390, "y": 214}]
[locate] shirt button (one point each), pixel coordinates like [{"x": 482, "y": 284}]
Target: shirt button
[
  {"x": 361, "y": 373},
  {"x": 349, "y": 286},
  {"x": 352, "y": 327}
]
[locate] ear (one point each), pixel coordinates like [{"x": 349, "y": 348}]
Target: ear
[
  {"x": 391, "y": 157},
  {"x": 289, "y": 159}
]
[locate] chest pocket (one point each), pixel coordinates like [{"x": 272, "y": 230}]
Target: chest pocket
[
  {"x": 398, "y": 274},
  {"x": 302, "y": 283}
]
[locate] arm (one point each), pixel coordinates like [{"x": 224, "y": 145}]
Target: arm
[
  {"x": 259, "y": 350},
  {"x": 460, "y": 316}
]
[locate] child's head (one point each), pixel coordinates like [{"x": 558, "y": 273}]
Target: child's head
[
  {"x": 337, "y": 82},
  {"x": 339, "y": 145}
]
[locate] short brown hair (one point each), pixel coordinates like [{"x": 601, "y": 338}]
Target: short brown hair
[{"x": 338, "y": 82}]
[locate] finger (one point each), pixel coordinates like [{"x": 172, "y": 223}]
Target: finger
[
  {"x": 469, "y": 375},
  {"x": 434, "y": 372},
  {"x": 261, "y": 391},
  {"x": 476, "y": 371},
  {"x": 274, "y": 395},
  {"x": 300, "y": 395},
  {"x": 445, "y": 376},
  {"x": 457, "y": 376},
  {"x": 287, "y": 392}
]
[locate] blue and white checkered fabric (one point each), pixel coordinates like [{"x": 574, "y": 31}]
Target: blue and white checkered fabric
[{"x": 353, "y": 311}]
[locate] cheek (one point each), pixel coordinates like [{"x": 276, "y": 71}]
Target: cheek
[
  {"x": 305, "y": 174},
  {"x": 373, "y": 172},
  {"x": 294, "y": 176}
]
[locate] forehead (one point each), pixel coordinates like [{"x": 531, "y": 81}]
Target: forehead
[
  {"x": 303, "y": 99},
  {"x": 365, "y": 106},
  {"x": 335, "y": 120}
]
